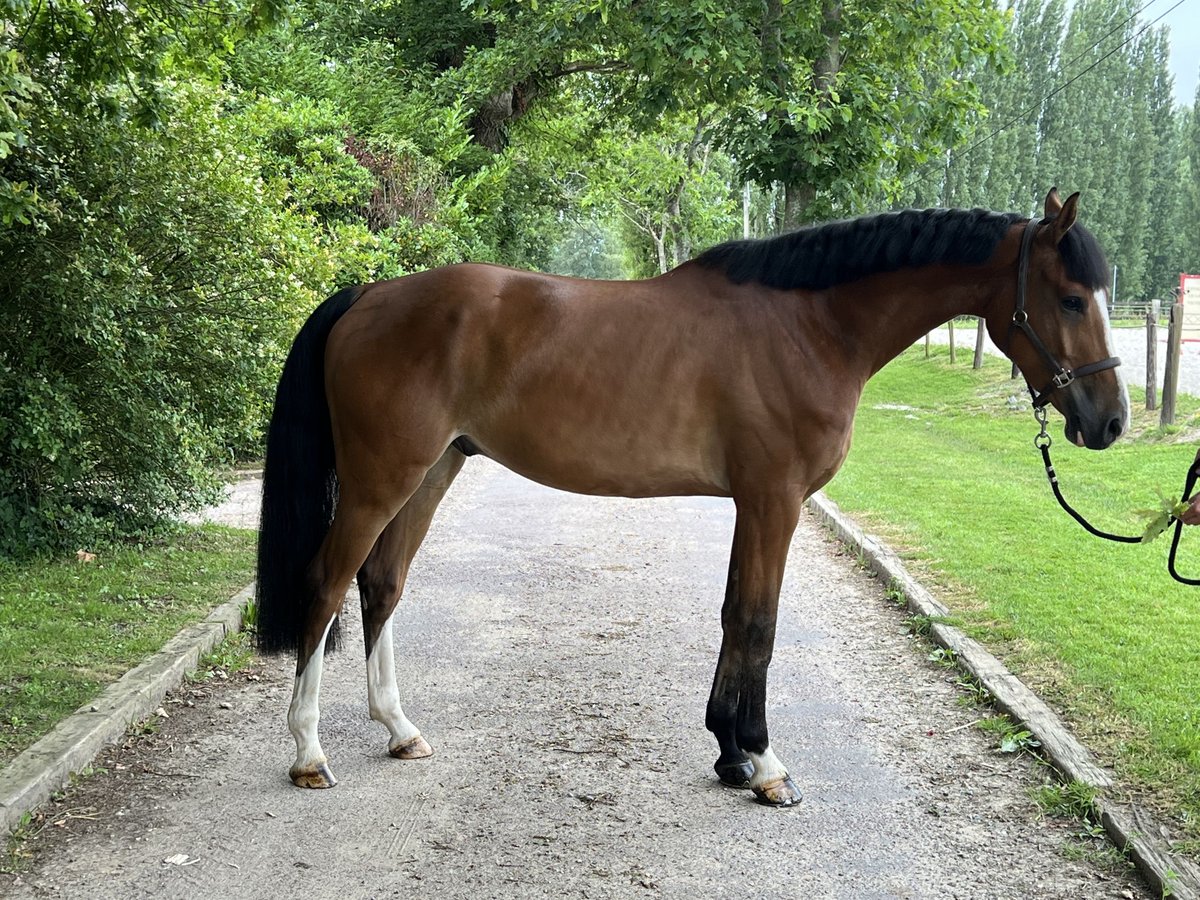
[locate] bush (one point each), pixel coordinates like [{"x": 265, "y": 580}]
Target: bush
[{"x": 146, "y": 319}]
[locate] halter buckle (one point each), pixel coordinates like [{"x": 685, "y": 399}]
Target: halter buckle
[{"x": 1062, "y": 378}]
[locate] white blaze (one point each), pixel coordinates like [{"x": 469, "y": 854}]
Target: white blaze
[{"x": 1102, "y": 302}]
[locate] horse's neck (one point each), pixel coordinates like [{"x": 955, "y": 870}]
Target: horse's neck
[{"x": 887, "y": 313}]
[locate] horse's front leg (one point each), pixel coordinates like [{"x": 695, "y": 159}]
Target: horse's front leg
[{"x": 737, "y": 706}]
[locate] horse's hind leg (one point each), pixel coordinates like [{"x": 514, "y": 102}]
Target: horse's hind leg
[
  {"x": 360, "y": 517},
  {"x": 380, "y": 583}
]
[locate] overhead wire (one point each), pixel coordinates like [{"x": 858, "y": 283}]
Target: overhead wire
[{"x": 1062, "y": 87}]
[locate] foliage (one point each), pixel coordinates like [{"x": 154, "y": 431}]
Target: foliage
[
  {"x": 668, "y": 192},
  {"x": 831, "y": 99},
  {"x": 145, "y": 320},
  {"x": 1087, "y": 106}
]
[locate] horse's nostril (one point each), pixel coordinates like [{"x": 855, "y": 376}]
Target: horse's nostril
[{"x": 1115, "y": 427}]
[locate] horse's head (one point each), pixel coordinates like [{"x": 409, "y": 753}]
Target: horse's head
[{"x": 1058, "y": 331}]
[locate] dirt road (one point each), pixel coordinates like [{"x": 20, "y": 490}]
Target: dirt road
[{"x": 559, "y": 654}]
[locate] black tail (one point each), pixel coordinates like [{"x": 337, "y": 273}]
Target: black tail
[{"x": 299, "y": 484}]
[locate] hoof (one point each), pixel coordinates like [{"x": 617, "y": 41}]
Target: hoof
[
  {"x": 318, "y": 776},
  {"x": 778, "y": 793},
  {"x": 734, "y": 774},
  {"x": 413, "y": 748}
]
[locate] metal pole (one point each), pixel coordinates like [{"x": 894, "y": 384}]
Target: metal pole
[{"x": 1151, "y": 359}]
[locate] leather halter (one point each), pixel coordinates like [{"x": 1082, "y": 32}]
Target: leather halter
[{"x": 1062, "y": 376}]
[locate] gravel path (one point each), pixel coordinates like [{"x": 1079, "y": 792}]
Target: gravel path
[{"x": 557, "y": 651}]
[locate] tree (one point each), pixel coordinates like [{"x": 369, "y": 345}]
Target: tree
[{"x": 822, "y": 96}]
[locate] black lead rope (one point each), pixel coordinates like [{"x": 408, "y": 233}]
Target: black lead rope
[
  {"x": 1042, "y": 442},
  {"x": 1190, "y": 483}
]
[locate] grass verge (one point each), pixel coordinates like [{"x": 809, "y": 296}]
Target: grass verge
[
  {"x": 70, "y": 627},
  {"x": 943, "y": 467}
]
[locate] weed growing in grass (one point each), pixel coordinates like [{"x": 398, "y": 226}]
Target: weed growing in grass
[
  {"x": 16, "y": 856},
  {"x": 895, "y": 594},
  {"x": 1077, "y": 800},
  {"x": 1096, "y": 851},
  {"x": 973, "y": 692},
  {"x": 1169, "y": 879},
  {"x": 945, "y": 657},
  {"x": 145, "y": 728},
  {"x": 1012, "y": 738},
  {"x": 250, "y": 616},
  {"x": 230, "y": 656},
  {"x": 16, "y": 853},
  {"x": 920, "y": 625},
  {"x": 1073, "y": 800}
]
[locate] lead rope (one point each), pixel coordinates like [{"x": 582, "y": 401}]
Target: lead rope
[
  {"x": 1043, "y": 442},
  {"x": 1190, "y": 483}
]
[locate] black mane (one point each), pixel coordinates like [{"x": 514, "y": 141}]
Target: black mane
[{"x": 821, "y": 256}]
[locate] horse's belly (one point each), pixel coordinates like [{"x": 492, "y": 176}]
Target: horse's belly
[{"x": 609, "y": 466}]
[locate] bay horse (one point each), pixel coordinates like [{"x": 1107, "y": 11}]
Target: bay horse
[{"x": 735, "y": 375}]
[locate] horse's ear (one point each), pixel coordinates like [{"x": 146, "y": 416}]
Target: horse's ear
[
  {"x": 1066, "y": 217},
  {"x": 1053, "y": 203}
]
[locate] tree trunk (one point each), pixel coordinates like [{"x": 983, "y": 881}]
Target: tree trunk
[
  {"x": 679, "y": 241},
  {"x": 799, "y": 198},
  {"x": 489, "y": 123},
  {"x": 660, "y": 245},
  {"x": 797, "y": 201}
]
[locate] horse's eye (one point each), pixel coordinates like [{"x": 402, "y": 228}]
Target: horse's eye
[{"x": 1072, "y": 304}]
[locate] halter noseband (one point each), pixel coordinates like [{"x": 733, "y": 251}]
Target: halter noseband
[{"x": 1062, "y": 376}]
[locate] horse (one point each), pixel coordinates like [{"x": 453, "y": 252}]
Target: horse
[{"x": 735, "y": 375}]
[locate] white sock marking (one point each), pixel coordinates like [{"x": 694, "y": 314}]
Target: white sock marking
[
  {"x": 383, "y": 695},
  {"x": 305, "y": 712},
  {"x": 767, "y": 768}
]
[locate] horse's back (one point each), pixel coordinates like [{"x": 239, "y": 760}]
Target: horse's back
[{"x": 591, "y": 386}]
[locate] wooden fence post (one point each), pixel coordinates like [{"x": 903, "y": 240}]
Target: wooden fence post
[
  {"x": 977, "y": 363},
  {"x": 951, "y": 324},
  {"x": 927, "y": 345},
  {"x": 1171, "y": 378},
  {"x": 1151, "y": 360}
]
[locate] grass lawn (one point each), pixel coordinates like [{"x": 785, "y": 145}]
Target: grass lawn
[
  {"x": 68, "y": 628},
  {"x": 944, "y": 468}
]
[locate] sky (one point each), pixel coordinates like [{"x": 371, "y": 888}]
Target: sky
[{"x": 1184, "y": 22}]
